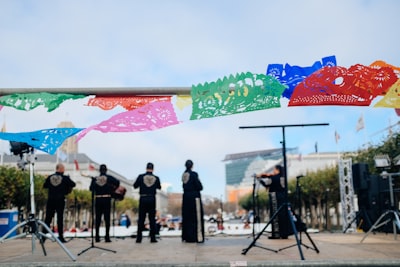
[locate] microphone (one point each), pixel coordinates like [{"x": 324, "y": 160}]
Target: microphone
[{"x": 300, "y": 176}]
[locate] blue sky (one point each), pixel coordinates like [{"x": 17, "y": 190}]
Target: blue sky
[{"x": 181, "y": 43}]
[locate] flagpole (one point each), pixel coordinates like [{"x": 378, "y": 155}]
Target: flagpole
[
  {"x": 365, "y": 134},
  {"x": 337, "y": 137},
  {"x": 3, "y": 130}
]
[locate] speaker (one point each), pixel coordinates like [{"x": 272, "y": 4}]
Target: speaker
[{"x": 360, "y": 176}]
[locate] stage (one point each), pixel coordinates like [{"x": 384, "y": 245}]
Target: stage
[{"x": 336, "y": 249}]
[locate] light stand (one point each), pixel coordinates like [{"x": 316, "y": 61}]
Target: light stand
[
  {"x": 394, "y": 213},
  {"x": 33, "y": 223},
  {"x": 256, "y": 217},
  {"x": 92, "y": 217},
  {"x": 286, "y": 206}
]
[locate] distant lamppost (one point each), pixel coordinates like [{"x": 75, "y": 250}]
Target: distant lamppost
[{"x": 326, "y": 208}]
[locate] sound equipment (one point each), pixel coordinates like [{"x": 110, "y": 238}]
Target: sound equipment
[
  {"x": 360, "y": 176},
  {"x": 373, "y": 199}
]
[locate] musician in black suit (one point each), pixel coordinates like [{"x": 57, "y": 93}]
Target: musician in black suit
[
  {"x": 103, "y": 186},
  {"x": 58, "y": 185},
  {"x": 148, "y": 183},
  {"x": 275, "y": 182}
]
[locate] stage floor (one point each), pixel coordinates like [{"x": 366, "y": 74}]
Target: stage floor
[{"x": 335, "y": 249}]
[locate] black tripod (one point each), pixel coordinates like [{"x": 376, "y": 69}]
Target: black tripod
[
  {"x": 31, "y": 225},
  {"x": 363, "y": 217},
  {"x": 256, "y": 207},
  {"x": 92, "y": 217},
  {"x": 256, "y": 216},
  {"x": 285, "y": 206},
  {"x": 300, "y": 226},
  {"x": 391, "y": 214}
]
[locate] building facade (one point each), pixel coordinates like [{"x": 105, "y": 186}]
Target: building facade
[{"x": 241, "y": 167}]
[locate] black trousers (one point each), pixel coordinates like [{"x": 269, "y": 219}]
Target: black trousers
[
  {"x": 103, "y": 208},
  {"x": 280, "y": 225},
  {"x": 147, "y": 205},
  {"x": 55, "y": 206}
]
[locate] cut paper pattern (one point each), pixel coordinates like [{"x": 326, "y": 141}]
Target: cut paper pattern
[
  {"x": 356, "y": 86},
  {"x": 379, "y": 64},
  {"x": 31, "y": 101},
  {"x": 235, "y": 94},
  {"x": 128, "y": 102},
  {"x": 47, "y": 140},
  {"x": 392, "y": 98},
  {"x": 182, "y": 101},
  {"x": 291, "y": 76},
  {"x": 147, "y": 118}
]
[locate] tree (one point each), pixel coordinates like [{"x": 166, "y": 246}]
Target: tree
[
  {"x": 390, "y": 147},
  {"x": 127, "y": 204},
  {"x": 247, "y": 203}
]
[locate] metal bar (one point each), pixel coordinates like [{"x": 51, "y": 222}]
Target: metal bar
[
  {"x": 103, "y": 91},
  {"x": 285, "y": 125}
]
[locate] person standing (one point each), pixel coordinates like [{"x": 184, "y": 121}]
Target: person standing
[
  {"x": 58, "y": 185},
  {"x": 148, "y": 183},
  {"x": 275, "y": 182},
  {"x": 103, "y": 186},
  {"x": 192, "y": 207}
]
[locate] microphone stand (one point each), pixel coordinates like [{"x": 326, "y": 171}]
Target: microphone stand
[
  {"x": 255, "y": 205},
  {"x": 92, "y": 217}
]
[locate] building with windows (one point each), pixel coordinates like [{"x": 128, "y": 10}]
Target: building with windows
[{"x": 241, "y": 167}]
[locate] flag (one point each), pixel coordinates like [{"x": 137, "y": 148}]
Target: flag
[
  {"x": 76, "y": 165},
  {"x": 360, "y": 123},
  {"x": 243, "y": 92},
  {"x": 46, "y": 140},
  {"x": 337, "y": 137},
  {"x": 150, "y": 117}
]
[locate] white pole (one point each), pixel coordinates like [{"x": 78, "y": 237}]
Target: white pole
[{"x": 30, "y": 159}]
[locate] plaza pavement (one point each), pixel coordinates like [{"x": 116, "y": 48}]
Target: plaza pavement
[{"x": 335, "y": 249}]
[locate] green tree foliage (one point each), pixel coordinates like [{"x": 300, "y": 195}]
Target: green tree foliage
[
  {"x": 15, "y": 188},
  {"x": 261, "y": 198},
  {"x": 83, "y": 198},
  {"x": 127, "y": 203},
  {"x": 390, "y": 147}
]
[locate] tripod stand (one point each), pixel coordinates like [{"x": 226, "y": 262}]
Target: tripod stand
[
  {"x": 92, "y": 236},
  {"x": 256, "y": 209},
  {"x": 362, "y": 216},
  {"x": 301, "y": 227},
  {"x": 31, "y": 225},
  {"x": 392, "y": 212},
  {"x": 286, "y": 205},
  {"x": 256, "y": 218}
]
